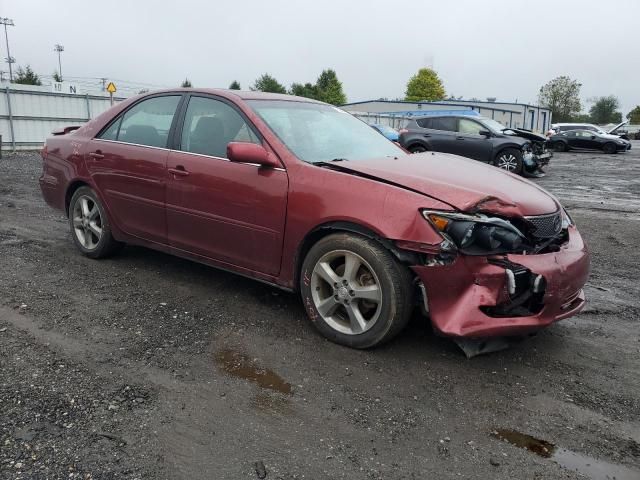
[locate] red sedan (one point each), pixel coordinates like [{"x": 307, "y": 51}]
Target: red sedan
[{"x": 302, "y": 195}]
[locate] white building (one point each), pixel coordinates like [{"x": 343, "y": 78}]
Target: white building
[{"x": 514, "y": 115}]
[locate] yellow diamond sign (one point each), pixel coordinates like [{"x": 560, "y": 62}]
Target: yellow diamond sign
[{"x": 111, "y": 88}]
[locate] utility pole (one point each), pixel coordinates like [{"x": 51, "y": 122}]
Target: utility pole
[
  {"x": 59, "y": 48},
  {"x": 8, "y": 22}
]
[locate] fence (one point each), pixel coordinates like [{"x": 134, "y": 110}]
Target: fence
[{"x": 28, "y": 114}]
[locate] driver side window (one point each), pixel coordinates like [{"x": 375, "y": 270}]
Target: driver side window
[
  {"x": 209, "y": 125},
  {"x": 469, "y": 127}
]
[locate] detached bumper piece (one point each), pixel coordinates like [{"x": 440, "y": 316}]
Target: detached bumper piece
[{"x": 508, "y": 295}]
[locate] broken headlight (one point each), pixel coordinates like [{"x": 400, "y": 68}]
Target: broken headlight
[{"x": 477, "y": 234}]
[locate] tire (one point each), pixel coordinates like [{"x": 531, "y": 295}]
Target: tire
[
  {"x": 609, "y": 148},
  {"x": 509, "y": 159},
  {"x": 418, "y": 149},
  {"x": 559, "y": 147},
  {"x": 90, "y": 226},
  {"x": 361, "y": 309}
]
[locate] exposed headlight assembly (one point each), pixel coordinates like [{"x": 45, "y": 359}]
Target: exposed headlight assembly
[{"x": 477, "y": 234}]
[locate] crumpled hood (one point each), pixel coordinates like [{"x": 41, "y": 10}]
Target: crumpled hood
[
  {"x": 534, "y": 137},
  {"x": 466, "y": 185}
]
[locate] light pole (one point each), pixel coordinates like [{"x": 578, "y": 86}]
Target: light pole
[
  {"x": 8, "y": 22},
  {"x": 59, "y": 48}
]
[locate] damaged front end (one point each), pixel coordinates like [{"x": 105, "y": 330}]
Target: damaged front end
[
  {"x": 537, "y": 154},
  {"x": 502, "y": 277}
]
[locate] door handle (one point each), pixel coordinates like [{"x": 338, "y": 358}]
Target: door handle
[
  {"x": 97, "y": 155},
  {"x": 459, "y": 138},
  {"x": 426, "y": 134},
  {"x": 179, "y": 170}
]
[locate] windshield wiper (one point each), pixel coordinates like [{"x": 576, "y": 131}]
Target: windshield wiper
[{"x": 339, "y": 160}]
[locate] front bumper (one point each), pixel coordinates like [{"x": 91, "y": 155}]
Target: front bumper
[{"x": 461, "y": 296}]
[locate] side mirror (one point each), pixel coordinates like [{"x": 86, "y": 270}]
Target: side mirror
[
  {"x": 245, "y": 152},
  {"x": 486, "y": 133},
  {"x": 593, "y": 137}
]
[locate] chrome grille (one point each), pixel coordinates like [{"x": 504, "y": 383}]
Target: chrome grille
[{"x": 546, "y": 226}]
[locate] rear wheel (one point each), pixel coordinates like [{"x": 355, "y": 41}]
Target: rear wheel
[
  {"x": 509, "y": 159},
  {"x": 609, "y": 148},
  {"x": 90, "y": 227},
  {"x": 417, "y": 149},
  {"x": 354, "y": 291},
  {"x": 560, "y": 147}
]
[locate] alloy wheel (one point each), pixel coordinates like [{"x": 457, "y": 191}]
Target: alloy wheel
[
  {"x": 508, "y": 161},
  {"x": 346, "y": 292},
  {"x": 87, "y": 222}
]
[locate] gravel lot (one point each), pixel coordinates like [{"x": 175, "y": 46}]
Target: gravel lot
[{"x": 149, "y": 366}]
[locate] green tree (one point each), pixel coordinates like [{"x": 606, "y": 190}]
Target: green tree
[
  {"x": 425, "y": 85},
  {"x": 307, "y": 90},
  {"x": 605, "y": 110},
  {"x": 26, "y": 76},
  {"x": 329, "y": 89},
  {"x": 562, "y": 96},
  {"x": 634, "y": 116},
  {"x": 266, "y": 83},
  {"x": 186, "y": 83},
  {"x": 581, "y": 118},
  {"x": 57, "y": 77},
  {"x": 234, "y": 85}
]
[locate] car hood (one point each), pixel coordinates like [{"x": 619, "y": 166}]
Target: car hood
[
  {"x": 464, "y": 184},
  {"x": 610, "y": 136},
  {"x": 534, "y": 137},
  {"x": 610, "y": 131}
]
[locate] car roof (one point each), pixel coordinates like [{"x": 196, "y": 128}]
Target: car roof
[{"x": 243, "y": 94}]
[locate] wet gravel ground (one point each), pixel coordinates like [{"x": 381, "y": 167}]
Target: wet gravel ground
[{"x": 149, "y": 366}]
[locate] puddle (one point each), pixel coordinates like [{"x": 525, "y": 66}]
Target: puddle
[
  {"x": 589, "y": 466},
  {"x": 241, "y": 366}
]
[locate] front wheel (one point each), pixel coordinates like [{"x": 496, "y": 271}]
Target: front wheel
[
  {"x": 90, "y": 227},
  {"x": 509, "y": 159},
  {"x": 354, "y": 291},
  {"x": 418, "y": 149},
  {"x": 609, "y": 148}
]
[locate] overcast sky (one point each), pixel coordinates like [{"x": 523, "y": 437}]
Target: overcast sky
[{"x": 502, "y": 48}]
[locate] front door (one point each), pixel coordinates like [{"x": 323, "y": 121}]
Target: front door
[
  {"x": 470, "y": 143},
  {"x": 229, "y": 212},
  {"x": 128, "y": 164}
]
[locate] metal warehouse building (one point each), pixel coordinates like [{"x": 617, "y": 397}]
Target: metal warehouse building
[{"x": 514, "y": 115}]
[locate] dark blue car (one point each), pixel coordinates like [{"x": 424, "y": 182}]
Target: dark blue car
[{"x": 391, "y": 133}]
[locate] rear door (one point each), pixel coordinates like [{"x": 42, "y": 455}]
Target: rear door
[
  {"x": 442, "y": 134},
  {"x": 233, "y": 213},
  {"x": 470, "y": 143},
  {"x": 127, "y": 162}
]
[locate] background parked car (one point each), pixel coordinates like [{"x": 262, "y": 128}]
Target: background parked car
[
  {"x": 389, "y": 132},
  {"x": 616, "y": 130},
  {"x": 588, "y": 140},
  {"x": 480, "y": 138}
]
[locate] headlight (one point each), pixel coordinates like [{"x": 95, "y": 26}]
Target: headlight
[
  {"x": 526, "y": 147},
  {"x": 476, "y": 234},
  {"x": 620, "y": 142},
  {"x": 566, "y": 220}
]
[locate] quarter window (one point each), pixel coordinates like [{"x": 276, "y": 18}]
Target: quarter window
[
  {"x": 209, "y": 125},
  {"x": 146, "y": 123},
  {"x": 425, "y": 122}
]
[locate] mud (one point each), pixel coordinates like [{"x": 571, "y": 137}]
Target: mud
[{"x": 149, "y": 366}]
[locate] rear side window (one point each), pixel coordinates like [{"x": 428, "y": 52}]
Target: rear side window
[
  {"x": 146, "y": 123},
  {"x": 209, "y": 125},
  {"x": 425, "y": 122},
  {"x": 448, "y": 124}
]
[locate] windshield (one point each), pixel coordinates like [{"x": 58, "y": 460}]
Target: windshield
[
  {"x": 321, "y": 133},
  {"x": 494, "y": 126}
]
